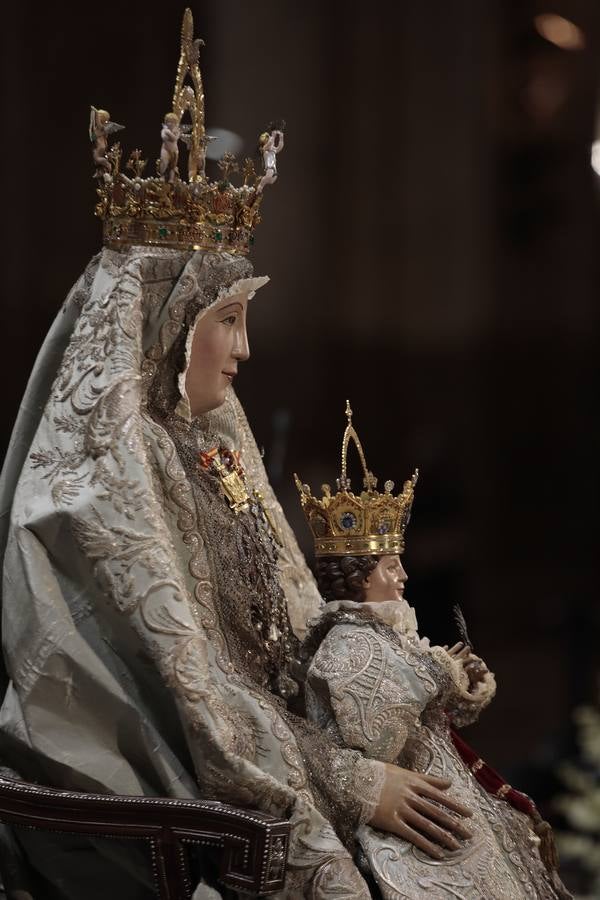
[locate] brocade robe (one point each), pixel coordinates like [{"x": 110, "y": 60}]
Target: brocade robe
[
  {"x": 390, "y": 695},
  {"x": 132, "y": 591}
]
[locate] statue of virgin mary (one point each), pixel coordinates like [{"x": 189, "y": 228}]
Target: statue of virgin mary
[
  {"x": 145, "y": 601},
  {"x": 153, "y": 591}
]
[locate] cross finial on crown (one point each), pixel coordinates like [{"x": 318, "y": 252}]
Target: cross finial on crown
[{"x": 345, "y": 524}]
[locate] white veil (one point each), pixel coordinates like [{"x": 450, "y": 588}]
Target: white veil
[{"x": 120, "y": 680}]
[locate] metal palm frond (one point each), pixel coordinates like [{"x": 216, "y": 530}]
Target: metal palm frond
[{"x": 461, "y": 624}]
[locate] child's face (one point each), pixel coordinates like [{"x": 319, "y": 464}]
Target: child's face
[{"x": 386, "y": 581}]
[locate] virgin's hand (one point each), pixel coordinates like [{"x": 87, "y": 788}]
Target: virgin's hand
[{"x": 406, "y": 809}]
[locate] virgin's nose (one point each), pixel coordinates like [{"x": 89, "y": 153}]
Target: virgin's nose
[{"x": 241, "y": 349}]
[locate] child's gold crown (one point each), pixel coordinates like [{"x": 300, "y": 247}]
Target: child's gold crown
[
  {"x": 370, "y": 524},
  {"x": 165, "y": 210}
]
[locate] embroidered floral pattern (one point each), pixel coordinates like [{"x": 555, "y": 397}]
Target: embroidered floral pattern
[{"x": 388, "y": 697}]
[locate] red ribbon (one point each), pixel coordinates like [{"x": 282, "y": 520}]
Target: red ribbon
[
  {"x": 489, "y": 779},
  {"x": 494, "y": 784}
]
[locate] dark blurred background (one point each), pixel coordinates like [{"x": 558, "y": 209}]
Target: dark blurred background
[{"x": 433, "y": 247}]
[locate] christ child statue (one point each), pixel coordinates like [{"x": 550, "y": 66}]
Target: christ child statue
[{"x": 376, "y": 685}]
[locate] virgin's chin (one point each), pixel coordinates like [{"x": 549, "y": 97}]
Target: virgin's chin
[
  {"x": 220, "y": 400},
  {"x": 209, "y": 405}
]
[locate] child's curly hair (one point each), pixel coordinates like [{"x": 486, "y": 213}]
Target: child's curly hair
[{"x": 343, "y": 577}]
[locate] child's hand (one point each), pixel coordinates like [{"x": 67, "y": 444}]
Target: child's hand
[
  {"x": 416, "y": 807},
  {"x": 475, "y": 667}
]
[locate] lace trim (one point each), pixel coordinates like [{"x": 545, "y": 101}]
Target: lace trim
[
  {"x": 369, "y": 778},
  {"x": 466, "y": 707}
]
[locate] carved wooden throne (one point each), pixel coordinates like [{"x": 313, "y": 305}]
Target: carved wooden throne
[{"x": 249, "y": 848}]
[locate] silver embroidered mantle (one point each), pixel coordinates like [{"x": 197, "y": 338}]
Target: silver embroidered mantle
[
  {"x": 121, "y": 679},
  {"x": 386, "y": 692}
]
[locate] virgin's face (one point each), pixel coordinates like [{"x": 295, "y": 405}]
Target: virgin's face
[
  {"x": 219, "y": 344},
  {"x": 386, "y": 581}
]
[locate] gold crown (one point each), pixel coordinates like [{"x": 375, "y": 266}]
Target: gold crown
[
  {"x": 369, "y": 524},
  {"x": 166, "y": 211}
]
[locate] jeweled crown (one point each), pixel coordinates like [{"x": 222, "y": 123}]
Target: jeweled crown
[
  {"x": 165, "y": 210},
  {"x": 368, "y": 524}
]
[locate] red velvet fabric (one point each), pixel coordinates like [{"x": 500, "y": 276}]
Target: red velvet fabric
[{"x": 489, "y": 779}]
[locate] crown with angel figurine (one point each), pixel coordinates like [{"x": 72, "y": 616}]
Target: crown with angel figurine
[
  {"x": 165, "y": 210},
  {"x": 367, "y": 524}
]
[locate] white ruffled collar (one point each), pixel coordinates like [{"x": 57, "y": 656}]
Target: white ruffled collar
[{"x": 398, "y": 614}]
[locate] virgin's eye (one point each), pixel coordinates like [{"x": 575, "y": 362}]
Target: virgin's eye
[{"x": 230, "y": 320}]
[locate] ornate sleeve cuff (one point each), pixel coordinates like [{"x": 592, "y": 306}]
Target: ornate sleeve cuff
[
  {"x": 453, "y": 668},
  {"x": 369, "y": 780},
  {"x": 467, "y": 705},
  {"x": 464, "y": 703}
]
